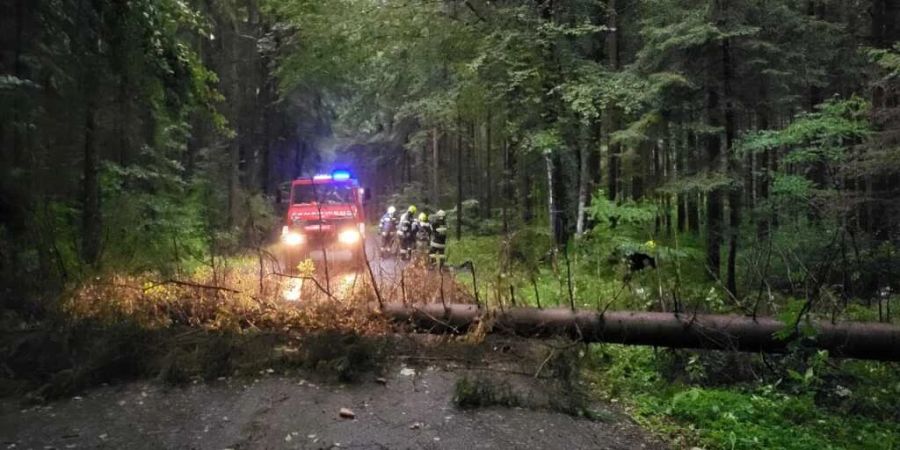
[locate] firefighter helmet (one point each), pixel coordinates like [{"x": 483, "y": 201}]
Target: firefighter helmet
[
  {"x": 441, "y": 214},
  {"x": 391, "y": 210},
  {"x": 412, "y": 209},
  {"x": 423, "y": 217}
]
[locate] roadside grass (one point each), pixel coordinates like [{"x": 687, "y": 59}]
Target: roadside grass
[{"x": 692, "y": 398}]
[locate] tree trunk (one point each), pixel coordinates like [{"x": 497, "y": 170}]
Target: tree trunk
[
  {"x": 17, "y": 141},
  {"x": 680, "y": 199},
  {"x": 472, "y": 170},
  {"x": 551, "y": 201},
  {"x": 234, "y": 147},
  {"x": 734, "y": 193},
  {"x": 435, "y": 167},
  {"x": 875, "y": 341},
  {"x": 761, "y": 172},
  {"x": 459, "y": 177},
  {"x": 612, "y": 117},
  {"x": 584, "y": 183},
  {"x": 527, "y": 196},
  {"x": 506, "y": 187},
  {"x": 488, "y": 171},
  {"x": 714, "y": 197},
  {"x": 90, "y": 214},
  {"x": 692, "y": 203}
]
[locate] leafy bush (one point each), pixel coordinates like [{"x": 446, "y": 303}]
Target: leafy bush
[
  {"x": 751, "y": 420},
  {"x": 671, "y": 392}
]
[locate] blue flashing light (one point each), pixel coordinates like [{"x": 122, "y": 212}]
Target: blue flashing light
[
  {"x": 322, "y": 177},
  {"x": 340, "y": 175}
]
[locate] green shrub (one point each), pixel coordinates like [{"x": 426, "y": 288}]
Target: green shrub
[{"x": 783, "y": 414}]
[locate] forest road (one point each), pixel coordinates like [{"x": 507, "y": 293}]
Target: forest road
[
  {"x": 411, "y": 407},
  {"x": 341, "y": 270}
]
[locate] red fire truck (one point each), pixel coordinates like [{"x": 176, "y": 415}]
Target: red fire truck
[{"x": 325, "y": 212}]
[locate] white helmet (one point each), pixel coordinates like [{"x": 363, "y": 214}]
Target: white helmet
[
  {"x": 391, "y": 209},
  {"x": 440, "y": 214}
]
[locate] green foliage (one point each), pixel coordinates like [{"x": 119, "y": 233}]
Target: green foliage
[
  {"x": 747, "y": 416},
  {"x": 794, "y": 315},
  {"x": 136, "y": 63},
  {"x": 703, "y": 182},
  {"x": 743, "y": 420},
  {"x": 792, "y": 187},
  {"x": 610, "y": 214},
  {"x": 544, "y": 141},
  {"x": 887, "y": 59},
  {"x": 822, "y": 135}
]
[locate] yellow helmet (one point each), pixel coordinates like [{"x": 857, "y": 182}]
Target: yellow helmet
[
  {"x": 423, "y": 217},
  {"x": 412, "y": 209}
]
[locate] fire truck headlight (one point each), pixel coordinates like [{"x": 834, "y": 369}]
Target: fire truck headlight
[
  {"x": 293, "y": 238},
  {"x": 349, "y": 236}
]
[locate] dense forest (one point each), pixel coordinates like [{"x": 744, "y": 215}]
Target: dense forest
[
  {"x": 749, "y": 148},
  {"x": 144, "y": 134}
]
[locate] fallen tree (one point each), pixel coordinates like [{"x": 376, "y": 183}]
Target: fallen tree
[{"x": 701, "y": 331}]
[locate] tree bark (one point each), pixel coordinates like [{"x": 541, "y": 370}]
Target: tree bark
[
  {"x": 874, "y": 341},
  {"x": 584, "y": 184},
  {"x": 760, "y": 171},
  {"x": 234, "y": 147},
  {"x": 435, "y": 167},
  {"x": 734, "y": 193},
  {"x": 459, "y": 177},
  {"x": 488, "y": 171},
  {"x": 714, "y": 197},
  {"x": 612, "y": 117},
  {"x": 17, "y": 142},
  {"x": 551, "y": 201},
  {"x": 680, "y": 197},
  {"x": 509, "y": 177},
  {"x": 90, "y": 213},
  {"x": 692, "y": 204}
]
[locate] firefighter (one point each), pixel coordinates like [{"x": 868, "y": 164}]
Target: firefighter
[
  {"x": 438, "y": 244},
  {"x": 406, "y": 231},
  {"x": 423, "y": 233},
  {"x": 388, "y": 229}
]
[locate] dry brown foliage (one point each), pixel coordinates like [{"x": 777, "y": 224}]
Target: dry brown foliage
[
  {"x": 243, "y": 297},
  {"x": 233, "y": 304}
]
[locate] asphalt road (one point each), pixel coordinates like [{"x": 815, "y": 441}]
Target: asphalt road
[{"x": 411, "y": 409}]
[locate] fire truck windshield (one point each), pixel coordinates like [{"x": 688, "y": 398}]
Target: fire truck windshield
[{"x": 324, "y": 194}]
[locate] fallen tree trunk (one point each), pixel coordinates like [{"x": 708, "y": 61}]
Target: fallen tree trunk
[{"x": 702, "y": 331}]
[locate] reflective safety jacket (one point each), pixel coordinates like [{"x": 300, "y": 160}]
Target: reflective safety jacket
[
  {"x": 388, "y": 222},
  {"x": 423, "y": 231},
  {"x": 407, "y": 223},
  {"x": 439, "y": 236}
]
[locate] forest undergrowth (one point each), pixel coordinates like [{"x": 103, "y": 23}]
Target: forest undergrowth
[{"x": 711, "y": 399}]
